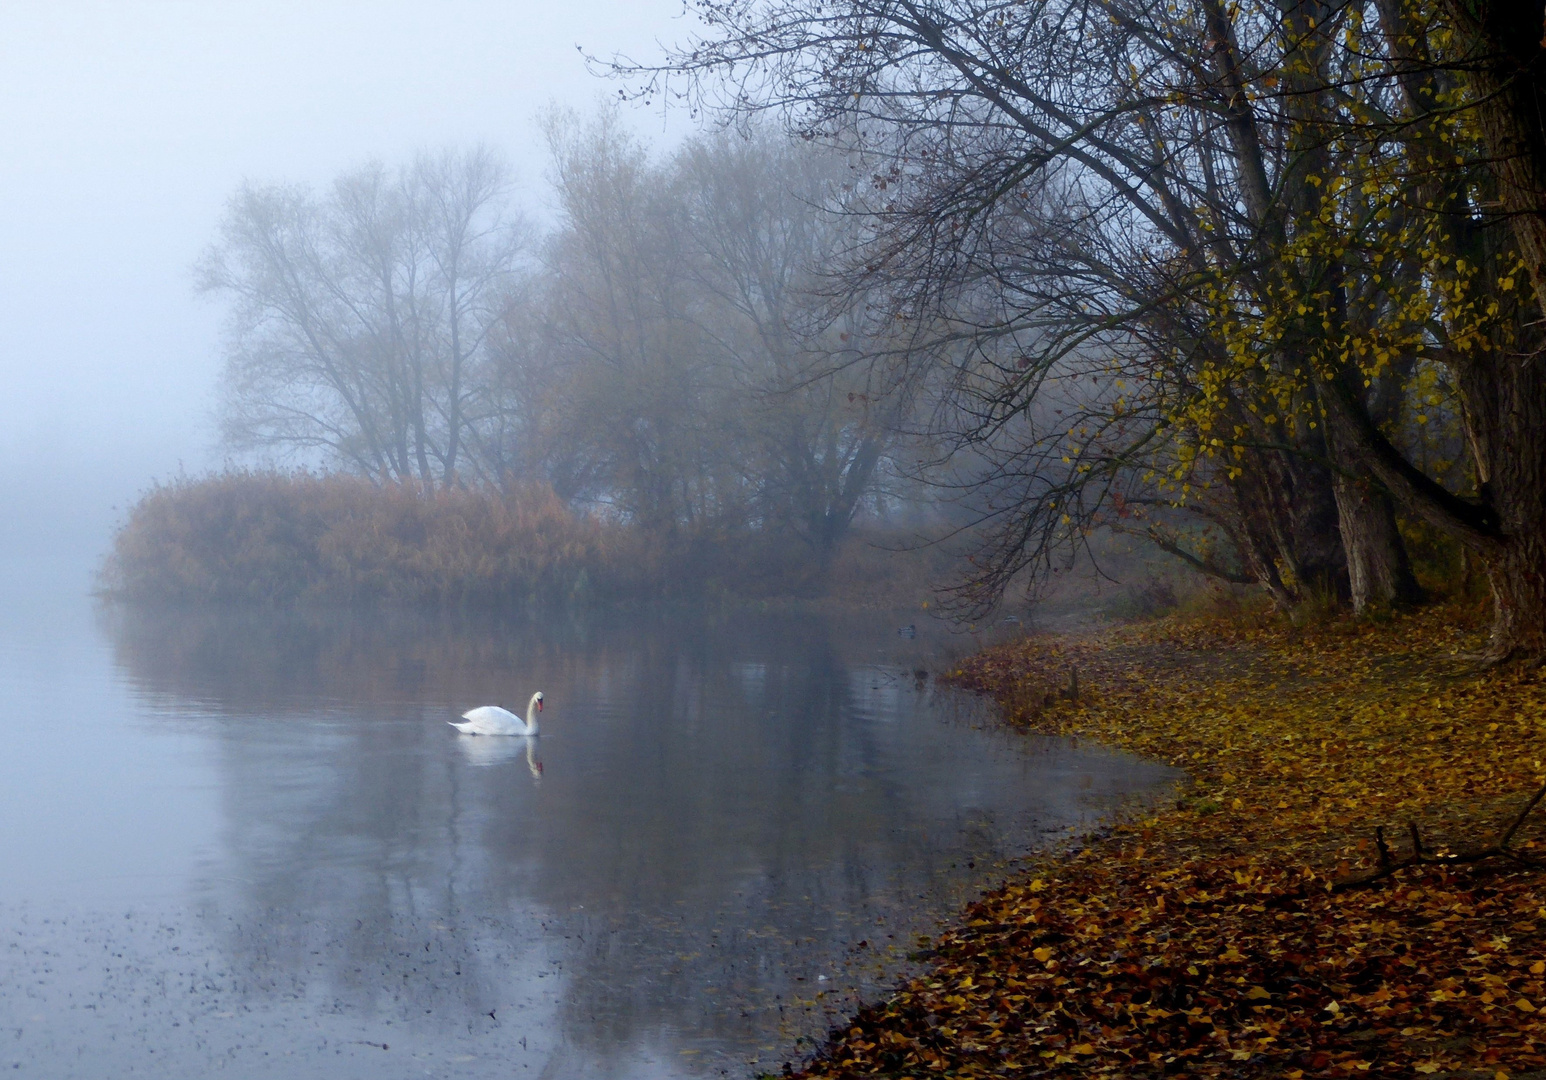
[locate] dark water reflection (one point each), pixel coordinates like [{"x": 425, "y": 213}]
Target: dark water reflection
[{"x": 674, "y": 881}]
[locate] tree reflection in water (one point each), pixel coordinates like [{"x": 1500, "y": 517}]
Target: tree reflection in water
[{"x": 679, "y": 872}]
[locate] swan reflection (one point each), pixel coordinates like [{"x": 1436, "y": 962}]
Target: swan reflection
[{"x": 492, "y": 751}]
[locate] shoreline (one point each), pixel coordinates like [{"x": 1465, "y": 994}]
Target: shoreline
[{"x": 1204, "y": 938}]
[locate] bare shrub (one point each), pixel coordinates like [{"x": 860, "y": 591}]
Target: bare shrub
[
  {"x": 289, "y": 538},
  {"x": 275, "y": 537}
]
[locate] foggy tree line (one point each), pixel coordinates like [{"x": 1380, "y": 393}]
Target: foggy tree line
[
  {"x": 1251, "y": 278},
  {"x": 1257, "y": 281},
  {"x": 664, "y": 354}
]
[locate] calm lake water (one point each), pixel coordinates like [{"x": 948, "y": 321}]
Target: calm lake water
[{"x": 249, "y": 844}]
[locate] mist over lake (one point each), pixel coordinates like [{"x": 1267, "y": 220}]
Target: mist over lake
[{"x": 252, "y": 842}]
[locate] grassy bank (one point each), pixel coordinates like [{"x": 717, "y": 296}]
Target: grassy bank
[
  {"x": 1206, "y": 938},
  {"x": 287, "y": 538}
]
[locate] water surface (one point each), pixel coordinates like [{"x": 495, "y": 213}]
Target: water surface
[{"x": 248, "y": 843}]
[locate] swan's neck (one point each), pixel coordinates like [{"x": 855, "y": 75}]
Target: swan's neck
[{"x": 531, "y": 716}]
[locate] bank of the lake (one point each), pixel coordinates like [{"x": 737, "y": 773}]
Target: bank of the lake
[{"x": 1215, "y": 937}]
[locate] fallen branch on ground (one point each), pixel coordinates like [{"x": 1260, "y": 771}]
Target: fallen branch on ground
[{"x": 1498, "y": 849}]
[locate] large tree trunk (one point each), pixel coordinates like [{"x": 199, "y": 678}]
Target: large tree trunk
[
  {"x": 1321, "y": 561},
  {"x": 1517, "y": 575},
  {"x": 1288, "y": 524},
  {"x": 1255, "y": 541},
  {"x": 1507, "y": 393},
  {"x": 1509, "y": 443},
  {"x": 1505, "y": 528},
  {"x": 1504, "y": 39},
  {"x": 1378, "y": 570}
]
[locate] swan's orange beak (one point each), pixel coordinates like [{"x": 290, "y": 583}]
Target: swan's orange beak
[{"x": 539, "y": 705}]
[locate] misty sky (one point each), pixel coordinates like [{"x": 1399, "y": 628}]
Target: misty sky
[{"x": 126, "y": 125}]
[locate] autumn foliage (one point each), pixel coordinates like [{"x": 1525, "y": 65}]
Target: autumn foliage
[{"x": 1214, "y": 936}]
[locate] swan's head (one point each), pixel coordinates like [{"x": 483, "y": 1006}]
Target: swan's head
[{"x": 536, "y": 700}]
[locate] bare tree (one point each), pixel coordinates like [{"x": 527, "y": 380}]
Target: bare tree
[
  {"x": 677, "y": 361},
  {"x": 764, "y": 226},
  {"x": 359, "y": 319},
  {"x": 637, "y": 386}
]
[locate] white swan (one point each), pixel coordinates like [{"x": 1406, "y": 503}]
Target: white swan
[{"x": 492, "y": 720}]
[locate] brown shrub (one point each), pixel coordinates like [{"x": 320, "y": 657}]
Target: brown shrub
[{"x": 296, "y": 537}]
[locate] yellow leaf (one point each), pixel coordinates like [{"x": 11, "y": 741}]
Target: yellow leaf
[
  {"x": 1523, "y": 1005},
  {"x": 1256, "y": 993},
  {"x": 1043, "y": 954},
  {"x": 1084, "y": 1048}
]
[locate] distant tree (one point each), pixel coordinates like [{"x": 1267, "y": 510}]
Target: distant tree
[
  {"x": 764, "y": 228},
  {"x": 633, "y": 380},
  {"x": 360, "y": 320},
  {"x": 679, "y": 360}
]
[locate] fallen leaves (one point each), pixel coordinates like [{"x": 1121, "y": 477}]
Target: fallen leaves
[{"x": 1203, "y": 939}]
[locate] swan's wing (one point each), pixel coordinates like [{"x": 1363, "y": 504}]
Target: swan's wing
[
  {"x": 491, "y": 720},
  {"x": 492, "y": 714}
]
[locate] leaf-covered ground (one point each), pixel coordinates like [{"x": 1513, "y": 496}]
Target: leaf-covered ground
[{"x": 1203, "y": 938}]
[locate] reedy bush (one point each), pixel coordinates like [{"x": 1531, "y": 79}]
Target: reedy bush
[
  {"x": 288, "y": 537},
  {"x": 298, "y": 538}
]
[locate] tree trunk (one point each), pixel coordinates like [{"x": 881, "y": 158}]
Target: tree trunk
[
  {"x": 1504, "y": 529},
  {"x": 1517, "y": 576},
  {"x": 1317, "y": 555},
  {"x": 1378, "y": 570},
  {"x": 1510, "y": 443},
  {"x": 842, "y": 503},
  {"x": 1506, "y": 394},
  {"x": 1255, "y": 538},
  {"x": 1504, "y": 38}
]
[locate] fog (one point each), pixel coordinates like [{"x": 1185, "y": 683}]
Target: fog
[{"x": 127, "y": 126}]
